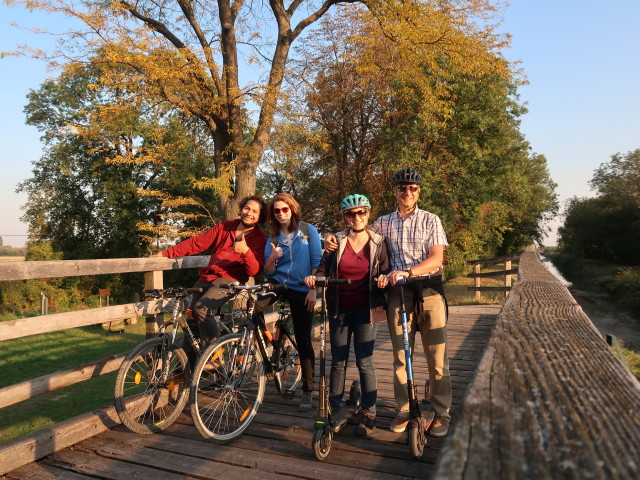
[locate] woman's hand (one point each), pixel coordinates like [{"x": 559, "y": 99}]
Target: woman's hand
[
  {"x": 276, "y": 252},
  {"x": 310, "y": 301},
  {"x": 310, "y": 281}
]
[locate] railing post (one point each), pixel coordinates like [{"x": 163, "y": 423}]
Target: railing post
[
  {"x": 507, "y": 278},
  {"x": 476, "y": 282},
  {"x": 153, "y": 280}
]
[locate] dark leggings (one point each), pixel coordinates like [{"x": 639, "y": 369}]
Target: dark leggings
[{"x": 302, "y": 324}]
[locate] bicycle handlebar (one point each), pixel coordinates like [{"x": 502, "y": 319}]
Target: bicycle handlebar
[
  {"x": 262, "y": 288},
  {"x": 181, "y": 291}
]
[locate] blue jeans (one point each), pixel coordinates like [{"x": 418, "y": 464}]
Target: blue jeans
[{"x": 354, "y": 322}]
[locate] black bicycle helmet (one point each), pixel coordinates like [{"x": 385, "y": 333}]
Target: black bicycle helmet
[{"x": 407, "y": 175}]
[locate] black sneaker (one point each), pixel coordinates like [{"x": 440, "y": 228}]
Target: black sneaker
[{"x": 367, "y": 423}]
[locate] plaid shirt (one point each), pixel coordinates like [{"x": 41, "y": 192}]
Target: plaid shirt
[{"x": 409, "y": 240}]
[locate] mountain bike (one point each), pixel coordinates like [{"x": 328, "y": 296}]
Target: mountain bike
[
  {"x": 228, "y": 382},
  {"x": 151, "y": 386}
]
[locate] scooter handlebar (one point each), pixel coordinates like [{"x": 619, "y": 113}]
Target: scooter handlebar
[{"x": 328, "y": 282}]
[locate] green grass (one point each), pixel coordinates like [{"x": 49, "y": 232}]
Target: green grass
[
  {"x": 30, "y": 357},
  {"x": 633, "y": 360}
]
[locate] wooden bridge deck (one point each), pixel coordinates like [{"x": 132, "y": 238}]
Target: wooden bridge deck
[{"x": 277, "y": 444}]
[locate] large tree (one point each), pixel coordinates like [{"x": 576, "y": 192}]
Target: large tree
[
  {"x": 195, "y": 54},
  {"x": 364, "y": 106},
  {"x": 102, "y": 149}
]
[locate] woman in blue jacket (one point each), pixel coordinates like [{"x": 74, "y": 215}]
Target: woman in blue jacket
[{"x": 293, "y": 252}]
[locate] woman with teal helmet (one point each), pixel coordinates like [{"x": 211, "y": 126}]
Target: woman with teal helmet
[{"x": 355, "y": 308}]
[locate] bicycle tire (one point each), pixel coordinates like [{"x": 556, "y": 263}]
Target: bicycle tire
[
  {"x": 145, "y": 404},
  {"x": 225, "y": 398},
  {"x": 321, "y": 442},
  {"x": 288, "y": 369}
]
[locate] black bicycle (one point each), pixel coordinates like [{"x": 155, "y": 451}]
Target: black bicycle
[
  {"x": 151, "y": 387},
  {"x": 229, "y": 380}
]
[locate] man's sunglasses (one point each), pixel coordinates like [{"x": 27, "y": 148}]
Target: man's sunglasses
[
  {"x": 283, "y": 210},
  {"x": 412, "y": 188},
  {"x": 360, "y": 213}
]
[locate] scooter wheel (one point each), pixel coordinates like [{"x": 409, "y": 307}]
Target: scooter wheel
[
  {"x": 417, "y": 437},
  {"x": 321, "y": 442}
]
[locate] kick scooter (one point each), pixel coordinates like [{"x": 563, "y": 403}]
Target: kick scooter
[
  {"x": 418, "y": 423},
  {"x": 326, "y": 425}
]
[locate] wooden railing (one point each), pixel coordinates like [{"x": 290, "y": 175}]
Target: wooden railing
[
  {"x": 477, "y": 275},
  {"x": 550, "y": 399},
  {"x": 21, "y": 451}
]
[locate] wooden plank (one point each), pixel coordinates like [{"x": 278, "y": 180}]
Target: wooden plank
[
  {"x": 498, "y": 273},
  {"x": 75, "y": 268},
  {"x": 23, "y": 327},
  {"x": 21, "y": 451},
  {"x": 550, "y": 399},
  {"x": 41, "y": 471},
  {"x": 494, "y": 260},
  {"x": 48, "y": 383}
]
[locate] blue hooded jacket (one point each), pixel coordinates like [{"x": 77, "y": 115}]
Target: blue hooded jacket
[{"x": 297, "y": 260}]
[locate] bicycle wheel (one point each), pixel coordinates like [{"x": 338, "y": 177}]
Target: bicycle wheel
[
  {"x": 226, "y": 390},
  {"x": 288, "y": 371},
  {"x": 151, "y": 388}
]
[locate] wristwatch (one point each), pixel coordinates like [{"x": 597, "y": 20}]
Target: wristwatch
[{"x": 410, "y": 272}]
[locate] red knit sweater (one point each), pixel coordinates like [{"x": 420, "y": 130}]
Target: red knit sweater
[{"x": 224, "y": 262}]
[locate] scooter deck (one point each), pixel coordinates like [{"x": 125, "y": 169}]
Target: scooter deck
[
  {"x": 429, "y": 417},
  {"x": 346, "y": 414}
]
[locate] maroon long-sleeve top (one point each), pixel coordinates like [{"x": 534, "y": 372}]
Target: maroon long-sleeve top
[{"x": 224, "y": 261}]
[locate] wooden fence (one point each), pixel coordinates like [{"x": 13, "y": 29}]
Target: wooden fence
[
  {"x": 550, "y": 398},
  {"x": 506, "y": 273},
  {"x": 28, "y": 449}
]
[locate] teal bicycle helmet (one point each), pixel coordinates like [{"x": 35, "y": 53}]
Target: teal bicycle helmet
[{"x": 354, "y": 201}]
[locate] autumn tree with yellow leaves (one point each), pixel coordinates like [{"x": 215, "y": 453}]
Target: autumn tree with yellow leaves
[{"x": 223, "y": 62}]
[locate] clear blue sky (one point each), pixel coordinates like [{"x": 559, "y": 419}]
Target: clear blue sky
[{"x": 580, "y": 57}]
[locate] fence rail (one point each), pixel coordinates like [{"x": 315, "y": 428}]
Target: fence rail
[
  {"x": 506, "y": 273},
  {"x": 550, "y": 399}
]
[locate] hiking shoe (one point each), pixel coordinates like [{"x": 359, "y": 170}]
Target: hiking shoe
[
  {"x": 367, "y": 423},
  {"x": 356, "y": 417},
  {"x": 399, "y": 424},
  {"x": 440, "y": 426},
  {"x": 306, "y": 403}
]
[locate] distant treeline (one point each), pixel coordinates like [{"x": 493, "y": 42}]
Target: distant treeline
[{"x": 12, "y": 251}]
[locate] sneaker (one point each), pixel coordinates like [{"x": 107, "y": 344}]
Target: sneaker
[
  {"x": 399, "y": 424},
  {"x": 305, "y": 402},
  {"x": 440, "y": 426},
  {"x": 367, "y": 423}
]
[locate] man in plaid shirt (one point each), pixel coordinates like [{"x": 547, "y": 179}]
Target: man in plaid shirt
[{"x": 416, "y": 242}]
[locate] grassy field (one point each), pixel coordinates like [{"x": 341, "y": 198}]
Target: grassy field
[
  {"x": 7, "y": 258},
  {"x": 30, "y": 357}
]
